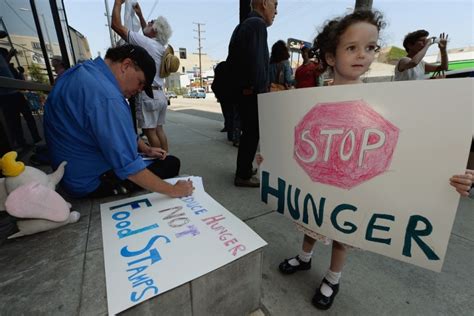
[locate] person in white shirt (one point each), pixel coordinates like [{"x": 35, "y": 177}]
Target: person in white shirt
[
  {"x": 412, "y": 67},
  {"x": 151, "y": 113}
]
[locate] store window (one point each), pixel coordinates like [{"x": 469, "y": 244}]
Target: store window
[
  {"x": 22, "y": 41},
  {"x": 73, "y": 59},
  {"x": 32, "y": 38}
]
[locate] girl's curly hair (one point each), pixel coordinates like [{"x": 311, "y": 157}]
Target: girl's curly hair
[{"x": 328, "y": 39}]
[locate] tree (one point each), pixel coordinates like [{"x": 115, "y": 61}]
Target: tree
[{"x": 37, "y": 74}]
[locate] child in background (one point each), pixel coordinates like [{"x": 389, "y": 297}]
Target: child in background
[{"x": 347, "y": 46}]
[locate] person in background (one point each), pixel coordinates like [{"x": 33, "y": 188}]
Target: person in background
[
  {"x": 309, "y": 73},
  {"x": 15, "y": 104},
  {"x": 412, "y": 67},
  {"x": 151, "y": 111},
  {"x": 223, "y": 93},
  {"x": 58, "y": 65},
  {"x": 249, "y": 61},
  {"x": 280, "y": 68},
  {"x": 88, "y": 123}
]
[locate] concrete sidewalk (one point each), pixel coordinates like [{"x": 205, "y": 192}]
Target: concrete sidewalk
[{"x": 61, "y": 272}]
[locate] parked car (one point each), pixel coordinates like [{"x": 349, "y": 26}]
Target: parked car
[
  {"x": 198, "y": 94},
  {"x": 170, "y": 95}
]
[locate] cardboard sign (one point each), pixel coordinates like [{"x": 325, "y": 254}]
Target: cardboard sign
[
  {"x": 153, "y": 243},
  {"x": 368, "y": 165}
]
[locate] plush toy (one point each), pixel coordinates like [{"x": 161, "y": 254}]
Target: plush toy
[{"x": 29, "y": 195}]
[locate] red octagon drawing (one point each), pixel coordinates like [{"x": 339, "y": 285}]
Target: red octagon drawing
[{"x": 344, "y": 143}]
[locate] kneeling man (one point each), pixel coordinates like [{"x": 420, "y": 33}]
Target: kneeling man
[{"x": 88, "y": 124}]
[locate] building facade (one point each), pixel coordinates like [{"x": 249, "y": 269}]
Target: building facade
[{"x": 188, "y": 75}]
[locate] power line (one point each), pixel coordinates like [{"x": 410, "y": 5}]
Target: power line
[{"x": 152, "y": 9}]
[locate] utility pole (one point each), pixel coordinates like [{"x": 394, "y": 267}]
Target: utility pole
[
  {"x": 47, "y": 35},
  {"x": 363, "y": 5},
  {"x": 199, "y": 38},
  {"x": 107, "y": 14}
]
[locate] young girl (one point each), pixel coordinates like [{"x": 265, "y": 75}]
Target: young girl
[{"x": 347, "y": 46}]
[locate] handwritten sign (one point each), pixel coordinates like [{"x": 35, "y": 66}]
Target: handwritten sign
[
  {"x": 368, "y": 165},
  {"x": 344, "y": 143},
  {"x": 153, "y": 243}
]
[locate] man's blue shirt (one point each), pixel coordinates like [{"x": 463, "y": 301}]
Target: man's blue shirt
[{"x": 88, "y": 123}]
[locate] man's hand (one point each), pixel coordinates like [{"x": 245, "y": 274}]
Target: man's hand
[
  {"x": 182, "y": 188},
  {"x": 428, "y": 41},
  {"x": 155, "y": 152},
  {"x": 119, "y": 2},
  {"x": 443, "y": 41},
  {"x": 463, "y": 182},
  {"x": 137, "y": 9}
]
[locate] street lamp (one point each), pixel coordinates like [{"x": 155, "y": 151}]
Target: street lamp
[
  {"x": 45, "y": 28},
  {"x": 47, "y": 34}
]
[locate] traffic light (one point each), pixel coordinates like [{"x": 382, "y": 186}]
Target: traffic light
[{"x": 182, "y": 53}]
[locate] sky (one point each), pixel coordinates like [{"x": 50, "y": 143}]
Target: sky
[{"x": 298, "y": 19}]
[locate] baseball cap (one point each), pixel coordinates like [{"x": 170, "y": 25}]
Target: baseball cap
[{"x": 146, "y": 63}]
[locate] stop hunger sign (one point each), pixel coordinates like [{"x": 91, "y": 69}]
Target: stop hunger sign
[{"x": 344, "y": 143}]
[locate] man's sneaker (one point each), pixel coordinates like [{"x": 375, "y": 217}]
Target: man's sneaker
[
  {"x": 252, "y": 182},
  {"x": 286, "y": 268}
]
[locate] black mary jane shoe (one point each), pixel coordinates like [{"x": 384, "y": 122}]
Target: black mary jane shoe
[
  {"x": 323, "y": 302},
  {"x": 286, "y": 268}
]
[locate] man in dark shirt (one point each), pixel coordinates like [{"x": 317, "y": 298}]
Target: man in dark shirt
[
  {"x": 249, "y": 59},
  {"x": 14, "y": 102}
]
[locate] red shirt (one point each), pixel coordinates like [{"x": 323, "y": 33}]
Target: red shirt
[{"x": 306, "y": 75}]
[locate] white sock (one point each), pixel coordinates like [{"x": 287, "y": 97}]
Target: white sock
[
  {"x": 303, "y": 256},
  {"x": 333, "y": 278}
]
